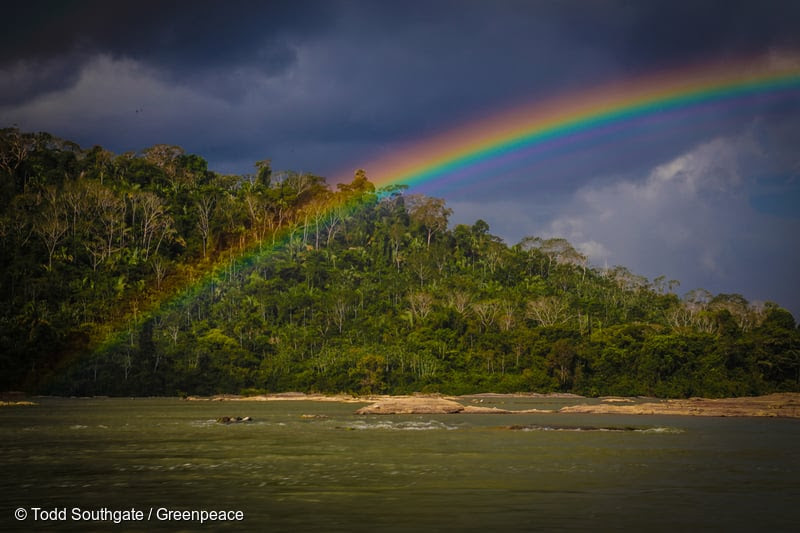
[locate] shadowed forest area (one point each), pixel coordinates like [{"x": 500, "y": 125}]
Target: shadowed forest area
[{"x": 148, "y": 274}]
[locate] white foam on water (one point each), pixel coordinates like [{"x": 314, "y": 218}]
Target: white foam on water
[
  {"x": 579, "y": 429},
  {"x": 401, "y": 426},
  {"x": 660, "y": 430}
]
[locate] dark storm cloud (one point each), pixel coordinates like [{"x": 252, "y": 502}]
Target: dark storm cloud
[
  {"x": 363, "y": 73},
  {"x": 371, "y": 72},
  {"x": 671, "y": 32},
  {"x": 406, "y": 68},
  {"x": 45, "y": 42},
  {"x": 327, "y": 86},
  {"x": 179, "y": 34}
]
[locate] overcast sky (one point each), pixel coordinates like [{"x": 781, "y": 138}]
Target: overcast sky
[{"x": 710, "y": 199}]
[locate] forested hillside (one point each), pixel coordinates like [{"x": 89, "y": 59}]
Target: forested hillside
[{"x": 147, "y": 273}]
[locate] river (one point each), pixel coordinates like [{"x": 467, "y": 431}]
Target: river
[{"x": 315, "y": 466}]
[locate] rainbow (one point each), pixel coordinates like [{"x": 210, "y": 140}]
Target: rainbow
[
  {"x": 520, "y": 130},
  {"x": 541, "y": 126}
]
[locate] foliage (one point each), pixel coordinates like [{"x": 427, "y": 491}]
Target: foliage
[{"x": 289, "y": 285}]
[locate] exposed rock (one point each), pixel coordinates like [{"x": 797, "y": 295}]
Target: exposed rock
[
  {"x": 410, "y": 405},
  {"x": 11, "y": 398},
  {"x": 773, "y": 405},
  {"x": 12, "y": 404},
  {"x": 233, "y": 419},
  {"x": 280, "y": 396},
  {"x": 475, "y": 409},
  {"x": 430, "y": 405}
]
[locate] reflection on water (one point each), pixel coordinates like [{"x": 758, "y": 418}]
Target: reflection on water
[{"x": 317, "y": 467}]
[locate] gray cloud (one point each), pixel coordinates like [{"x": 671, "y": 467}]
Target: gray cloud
[
  {"x": 696, "y": 217},
  {"x": 371, "y": 70},
  {"x": 184, "y": 42},
  {"x": 690, "y": 219},
  {"x": 325, "y": 86},
  {"x": 671, "y": 32}
]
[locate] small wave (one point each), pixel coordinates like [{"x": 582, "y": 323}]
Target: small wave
[
  {"x": 400, "y": 426},
  {"x": 203, "y": 423},
  {"x": 216, "y": 423},
  {"x": 536, "y": 427},
  {"x": 556, "y": 428},
  {"x": 660, "y": 430}
]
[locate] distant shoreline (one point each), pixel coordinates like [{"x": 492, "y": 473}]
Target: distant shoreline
[
  {"x": 777, "y": 405},
  {"x": 785, "y": 405},
  {"x": 349, "y": 398}
]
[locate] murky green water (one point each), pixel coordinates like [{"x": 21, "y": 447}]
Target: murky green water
[{"x": 343, "y": 472}]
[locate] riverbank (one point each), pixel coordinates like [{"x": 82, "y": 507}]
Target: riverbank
[
  {"x": 282, "y": 397},
  {"x": 774, "y": 405}
]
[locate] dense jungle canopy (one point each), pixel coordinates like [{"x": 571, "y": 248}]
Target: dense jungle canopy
[{"x": 148, "y": 274}]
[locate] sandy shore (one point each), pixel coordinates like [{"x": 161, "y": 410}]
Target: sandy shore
[
  {"x": 412, "y": 405},
  {"x": 283, "y": 397},
  {"x": 773, "y": 405},
  {"x": 785, "y": 405}
]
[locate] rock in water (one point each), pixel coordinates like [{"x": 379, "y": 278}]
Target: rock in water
[
  {"x": 233, "y": 419},
  {"x": 412, "y": 405}
]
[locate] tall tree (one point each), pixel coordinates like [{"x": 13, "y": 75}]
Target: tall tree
[{"x": 429, "y": 213}]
